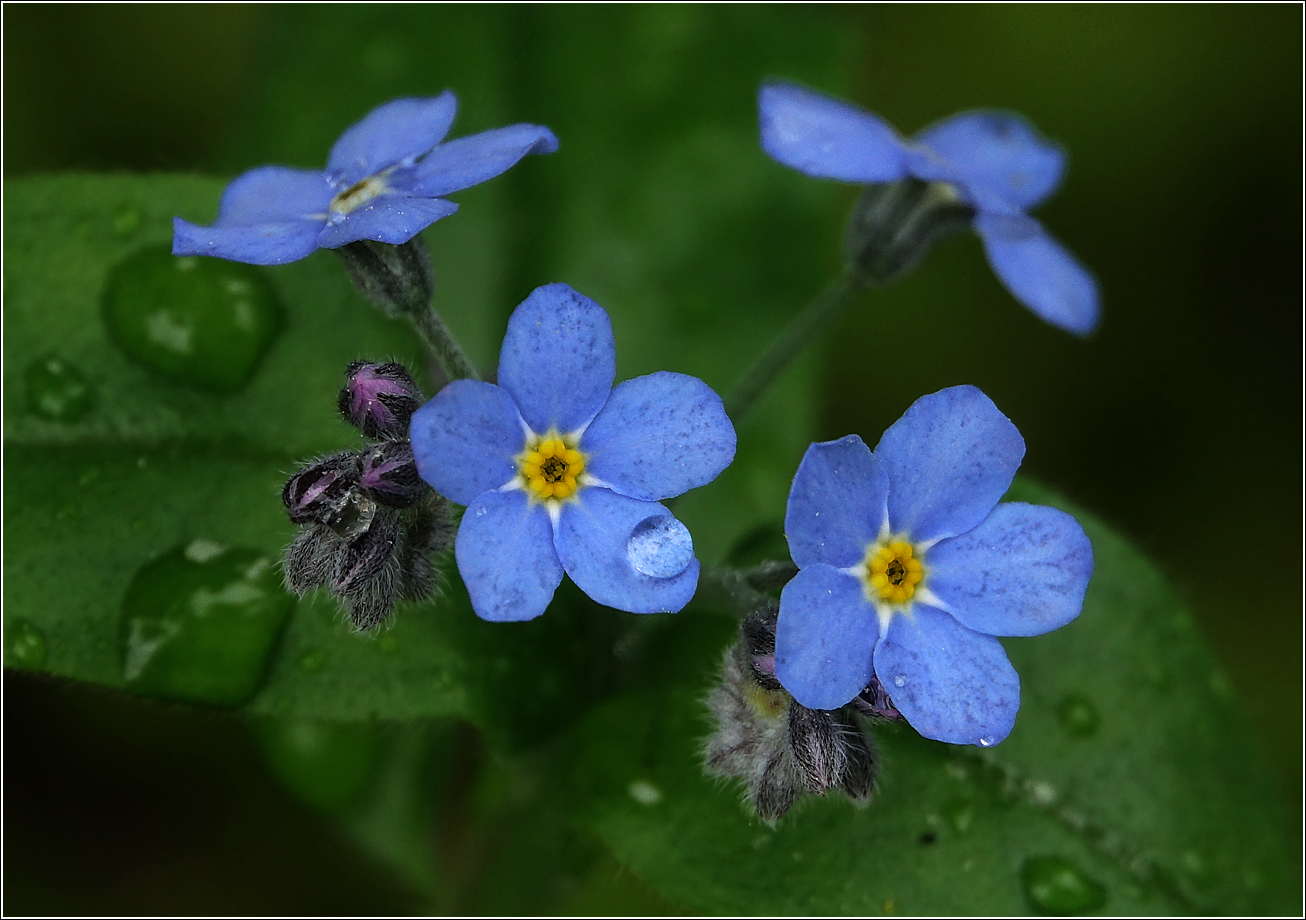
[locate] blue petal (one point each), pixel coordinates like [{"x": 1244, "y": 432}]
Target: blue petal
[
  {"x": 997, "y": 154},
  {"x": 827, "y": 138},
  {"x": 471, "y": 160},
  {"x": 949, "y": 459},
  {"x": 387, "y": 219},
  {"x": 951, "y": 683},
  {"x": 466, "y": 439},
  {"x": 825, "y": 637},
  {"x": 558, "y": 358},
  {"x": 837, "y": 503},
  {"x": 506, "y": 558},
  {"x": 1022, "y": 572},
  {"x": 402, "y": 129},
  {"x": 593, "y": 538},
  {"x": 274, "y": 194},
  {"x": 659, "y": 436},
  {"x": 1039, "y": 272},
  {"x": 257, "y": 244}
]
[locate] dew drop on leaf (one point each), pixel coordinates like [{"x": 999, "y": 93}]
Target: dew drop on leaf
[
  {"x": 24, "y": 645},
  {"x": 56, "y": 390},
  {"x": 1056, "y": 886},
  {"x": 199, "y": 623},
  {"x": 1077, "y": 716},
  {"x": 197, "y": 321},
  {"x": 325, "y": 764}
]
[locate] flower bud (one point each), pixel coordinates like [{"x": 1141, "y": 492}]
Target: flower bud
[
  {"x": 395, "y": 279},
  {"x": 894, "y": 225},
  {"x": 321, "y": 493},
  {"x": 379, "y": 399},
  {"x": 389, "y": 474}
]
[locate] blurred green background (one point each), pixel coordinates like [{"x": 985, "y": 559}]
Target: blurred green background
[{"x": 1179, "y": 421}]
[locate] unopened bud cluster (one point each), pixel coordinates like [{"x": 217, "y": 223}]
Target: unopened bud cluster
[
  {"x": 369, "y": 525},
  {"x": 779, "y": 748}
]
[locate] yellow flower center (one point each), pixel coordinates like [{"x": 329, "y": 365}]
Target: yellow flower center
[
  {"x": 358, "y": 194},
  {"x": 892, "y": 571},
  {"x": 549, "y": 466}
]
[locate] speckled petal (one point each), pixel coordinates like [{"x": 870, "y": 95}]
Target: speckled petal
[
  {"x": 469, "y": 161},
  {"x": 1040, "y": 272},
  {"x": 948, "y": 460},
  {"x": 826, "y": 137},
  {"x": 558, "y": 359},
  {"x": 386, "y": 219},
  {"x": 1022, "y": 572},
  {"x": 659, "y": 436},
  {"x": 997, "y": 154},
  {"x": 506, "y": 558},
  {"x": 837, "y": 503},
  {"x": 466, "y": 439},
  {"x": 400, "y": 130},
  {"x": 825, "y": 637},
  {"x": 257, "y": 244},
  {"x": 951, "y": 683},
  {"x": 593, "y": 537}
]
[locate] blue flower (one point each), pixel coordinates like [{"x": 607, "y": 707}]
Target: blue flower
[
  {"x": 908, "y": 567},
  {"x": 383, "y": 182},
  {"x": 995, "y": 162},
  {"x": 562, "y": 472}
]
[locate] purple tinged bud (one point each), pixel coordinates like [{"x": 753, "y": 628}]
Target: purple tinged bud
[
  {"x": 389, "y": 474},
  {"x": 379, "y": 399},
  {"x": 320, "y": 493}
]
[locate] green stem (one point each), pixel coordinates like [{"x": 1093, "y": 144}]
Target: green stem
[
  {"x": 806, "y": 326},
  {"x": 453, "y": 360}
]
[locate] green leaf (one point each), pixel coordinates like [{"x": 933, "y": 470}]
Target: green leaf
[
  {"x": 1129, "y": 784},
  {"x": 94, "y": 497}
]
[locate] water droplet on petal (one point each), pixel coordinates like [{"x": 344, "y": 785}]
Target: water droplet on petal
[
  {"x": 199, "y": 623},
  {"x": 326, "y": 764},
  {"x": 56, "y": 390},
  {"x": 24, "y": 645},
  {"x": 1056, "y": 886},
  {"x": 660, "y": 547},
  {"x": 1077, "y": 716},
  {"x": 198, "y": 321},
  {"x": 986, "y": 742},
  {"x": 900, "y": 681},
  {"x": 644, "y": 792}
]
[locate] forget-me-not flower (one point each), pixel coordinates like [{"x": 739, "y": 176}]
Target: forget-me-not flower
[
  {"x": 994, "y": 162},
  {"x": 384, "y": 181},
  {"x": 908, "y": 568},
  {"x": 562, "y": 472}
]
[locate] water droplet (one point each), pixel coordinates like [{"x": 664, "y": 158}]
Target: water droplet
[
  {"x": 644, "y": 792},
  {"x": 986, "y": 742},
  {"x": 126, "y": 222},
  {"x": 56, "y": 390},
  {"x": 960, "y": 814},
  {"x": 199, "y": 623},
  {"x": 1056, "y": 886},
  {"x": 900, "y": 681},
  {"x": 312, "y": 661},
  {"x": 198, "y": 321},
  {"x": 24, "y": 645},
  {"x": 1077, "y": 715},
  {"x": 326, "y": 764},
  {"x": 660, "y": 547}
]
